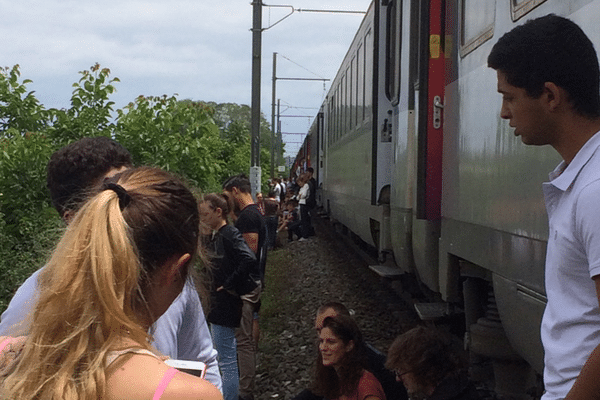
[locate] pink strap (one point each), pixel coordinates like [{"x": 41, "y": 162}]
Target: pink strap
[{"x": 164, "y": 382}]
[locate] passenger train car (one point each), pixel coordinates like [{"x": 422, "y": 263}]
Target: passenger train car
[{"x": 411, "y": 155}]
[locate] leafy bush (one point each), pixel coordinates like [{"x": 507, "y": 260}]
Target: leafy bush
[{"x": 179, "y": 136}]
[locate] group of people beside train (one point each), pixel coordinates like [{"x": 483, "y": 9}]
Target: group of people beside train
[
  {"x": 121, "y": 294},
  {"x": 288, "y": 207},
  {"x": 118, "y": 294}
]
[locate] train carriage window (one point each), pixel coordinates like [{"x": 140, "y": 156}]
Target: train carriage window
[
  {"x": 343, "y": 108},
  {"x": 338, "y": 131},
  {"x": 369, "y": 74},
  {"x": 349, "y": 99},
  {"x": 519, "y": 8},
  {"x": 353, "y": 93},
  {"x": 330, "y": 119},
  {"x": 360, "y": 90},
  {"x": 394, "y": 32},
  {"x": 335, "y": 116},
  {"x": 476, "y": 23}
]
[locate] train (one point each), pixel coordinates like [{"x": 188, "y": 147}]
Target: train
[{"x": 411, "y": 156}]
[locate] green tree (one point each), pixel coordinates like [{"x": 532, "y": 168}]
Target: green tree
[
  {"x": 180, "y": 137},
  {"x": 204, "y": 143},
  {"x": 91, "y": 111},
  {"x": 20, "y": 111},
  {"x": 234, "y": 120}
]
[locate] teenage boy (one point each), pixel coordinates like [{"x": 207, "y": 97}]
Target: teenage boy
[{"x": 548, "y": 77}]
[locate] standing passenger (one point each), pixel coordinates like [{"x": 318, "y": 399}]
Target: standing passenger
[
  {"x": 302, "y": 197},
  {"x": 232, "y": 262},
  {"x": 251, "y": 224},
  {"x": 548, "y": 76}
]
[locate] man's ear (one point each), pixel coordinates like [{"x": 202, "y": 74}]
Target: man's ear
[
  {"x": 555, "y": 96},
  {"x": 174, "y": 266}
]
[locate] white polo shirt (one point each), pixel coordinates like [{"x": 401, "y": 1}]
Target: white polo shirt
[{"x": 571, "y": 324}]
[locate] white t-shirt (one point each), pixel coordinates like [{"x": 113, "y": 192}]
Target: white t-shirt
[
  {"x": 303, "y": 194},
  {"x": 571, "y": 323}
]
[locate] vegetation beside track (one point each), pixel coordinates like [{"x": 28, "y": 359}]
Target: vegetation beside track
[{"x": 202, "y": 142}]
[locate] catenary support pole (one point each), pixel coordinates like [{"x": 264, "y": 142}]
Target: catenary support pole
[{"x": 255, "y": 173}]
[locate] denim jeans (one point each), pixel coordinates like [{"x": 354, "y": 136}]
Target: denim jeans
[{"x": 225, "y": 344}]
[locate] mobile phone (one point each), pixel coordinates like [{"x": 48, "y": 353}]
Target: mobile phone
[{"x": 196, "y": 368}]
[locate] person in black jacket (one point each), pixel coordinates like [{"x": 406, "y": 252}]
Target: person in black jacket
[{"x": 232, "y": 264}]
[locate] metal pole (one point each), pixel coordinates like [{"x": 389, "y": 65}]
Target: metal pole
[
  {"x": 279, "y": 138},
  {"x": 273, "y": 130},
  {"x": 278, "y": 124},
  {"x": 255, "y": 105}
]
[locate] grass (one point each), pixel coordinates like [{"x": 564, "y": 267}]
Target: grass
[{"x": 276, "y": 303}]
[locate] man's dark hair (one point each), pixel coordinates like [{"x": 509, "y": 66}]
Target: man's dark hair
[
  {"x": 75, "y": 168},
  {"x": 339, "y": 308},
  {"x": 551, "y": 49},
  {"x": 241, "y": 182},
  {"x": 310, "y": 169}
]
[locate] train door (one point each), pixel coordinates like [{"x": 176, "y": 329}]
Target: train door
[{"x": 428, "y": 78}]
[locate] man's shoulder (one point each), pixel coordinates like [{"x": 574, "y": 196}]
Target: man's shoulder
[
  {"x": 251, "y": 211},
  {"x": 250, "y": 219}
]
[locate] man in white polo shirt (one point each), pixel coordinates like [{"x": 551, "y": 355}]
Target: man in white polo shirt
[{"x": 549, "y": 79}]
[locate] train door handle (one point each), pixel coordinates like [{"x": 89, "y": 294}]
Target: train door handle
[
  {"x": 437, "y": 112},
  {"x": 386, "y": 130}
]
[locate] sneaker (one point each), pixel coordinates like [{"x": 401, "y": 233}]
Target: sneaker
[{"x": 302, "y": 239}]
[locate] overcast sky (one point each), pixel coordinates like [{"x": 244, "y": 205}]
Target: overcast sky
[{"x": 199, "y": 50}]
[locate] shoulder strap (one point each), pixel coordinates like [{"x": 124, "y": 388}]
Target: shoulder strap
[
  {"x": 164, "y": 382},
  {"x": 113, "y": 355}
]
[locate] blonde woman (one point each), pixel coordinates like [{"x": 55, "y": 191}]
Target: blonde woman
[{"x": 120, "y": 264}]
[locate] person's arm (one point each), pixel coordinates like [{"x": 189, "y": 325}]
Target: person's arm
[
  {"x": 243, "y": 257},
  {"x": 587, "y": 385},
  {"x": 14, "y": 320},
  {"x": 194, "y": 341},
  {"x": 182, "y": 333}
]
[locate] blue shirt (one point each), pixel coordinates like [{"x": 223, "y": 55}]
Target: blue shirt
[{"x": 180, "y": 333}]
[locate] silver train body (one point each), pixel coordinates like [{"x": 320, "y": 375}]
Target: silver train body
[{"x": 411, "y": 155}]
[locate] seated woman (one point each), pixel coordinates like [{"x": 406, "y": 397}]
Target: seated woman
[
  {"x": 430, "y": 365},
  {"x": 121, "y": 262},
  {"x": 232, "y": 263},
  {"x": 340, "y": 370}
]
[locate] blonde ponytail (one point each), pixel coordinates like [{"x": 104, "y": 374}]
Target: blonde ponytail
[{"x": 92, "y": 289}]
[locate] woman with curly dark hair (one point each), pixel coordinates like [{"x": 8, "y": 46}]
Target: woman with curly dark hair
[
  {"x": 430, "y": 365},
  {"x": 340, "y": 370}
]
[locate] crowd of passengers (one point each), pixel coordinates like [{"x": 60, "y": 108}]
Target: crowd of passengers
[{"x": 121, "y": 299}]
